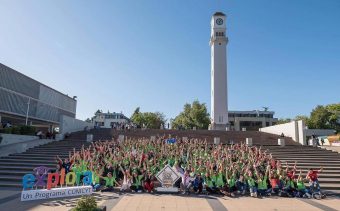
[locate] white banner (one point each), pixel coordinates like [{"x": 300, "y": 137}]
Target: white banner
[{"x": 28, "y": 195}]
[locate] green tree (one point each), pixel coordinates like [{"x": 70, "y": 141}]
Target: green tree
[
  {"x": 283, "y": 120},
  {"x": 152, "y": 120},
  {"x": 319, "y": 118},
  {"x": 193, "y": 115},
  {"x": 334, "y": 117},
  {"x": 325, "y": 117},
  {"x": 302, "y": 117}
]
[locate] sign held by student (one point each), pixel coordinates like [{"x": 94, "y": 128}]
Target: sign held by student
[{"x": 167, "y": 176}]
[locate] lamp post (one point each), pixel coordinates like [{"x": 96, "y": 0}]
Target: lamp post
[{"x": 28, "y": 108}]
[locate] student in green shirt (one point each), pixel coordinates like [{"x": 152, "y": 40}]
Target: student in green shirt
[
  {"x": 231, "y": 183},
  {"x": 209, "y": 184},
  {"x": 110, "y": 182},
  {"x": 262, "y": 186},
  {"x": 251, "y": 184},
  {"x": 136, "y": 185},
  {"x": 302, "y": 191}
]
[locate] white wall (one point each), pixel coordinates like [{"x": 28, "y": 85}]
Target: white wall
[
  {"x": 302, "y": 132},
  {"x": 289, "y": 129},
  {"x": 69, "y": 124},
  {"x": 295, "y": 129}
]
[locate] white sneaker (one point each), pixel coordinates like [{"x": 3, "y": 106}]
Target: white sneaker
[
  {"x": 251, "y": 194},
  {"x": 139, "y": 191}
]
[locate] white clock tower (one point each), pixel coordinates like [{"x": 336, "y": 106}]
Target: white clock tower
[{"x": 218, "y": 44}]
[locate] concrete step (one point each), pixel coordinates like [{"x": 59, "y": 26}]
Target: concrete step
[
  {"x": 311, "y": 163},
  {"x": 17, "y": 168},
  {"x": 11, "y": 178},
  {"x": 324, "y": 171},
  {"x": 37, "y": 153},
  {"x": 59, "y": 147},
  {"x": 28, "y": 160},
  {"x": 328, "y": 180},
  {"x": 307, "y": 156},
  {"x": 17, "y": 172},
  {"x": 5, "y": 184},
  {"x": 302, "y": 152},
  {"x": 19, "y": 158},
  {"x": 32, "y": 165},
  {"x": 35, "y": 156},
  {"x": 292, "y": 160}
]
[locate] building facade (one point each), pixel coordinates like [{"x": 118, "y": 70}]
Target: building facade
[
  {"x": 24, "y": 100},
  {"x": 219, "y": 94},
  {"x": 109, "y": 120},
  {"x": 251, "y": 120}
]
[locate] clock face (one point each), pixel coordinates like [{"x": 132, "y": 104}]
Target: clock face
[{"x": 219, "y": 21}]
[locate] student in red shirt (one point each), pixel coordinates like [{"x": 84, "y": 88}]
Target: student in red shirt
[{"x": 312, "y": 175}]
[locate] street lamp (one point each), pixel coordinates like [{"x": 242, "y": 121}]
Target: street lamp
[{"x": 28, "y": 108}]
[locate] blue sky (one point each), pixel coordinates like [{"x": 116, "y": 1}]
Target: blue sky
[{"x": 117, "y": 55}]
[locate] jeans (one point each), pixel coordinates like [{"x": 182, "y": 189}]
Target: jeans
[
  {"x": 241, "y": 186},
  {"x": 95, "y": 187},
  {"x": 212, "y": 190},
  {"x": 289, "y": 191},
  {"x": 186, "y": 187},
  {"x": 264, "y": 192},
  {"x": 252, "y": 189},
  {"x": 314, "y": 186},
  {"x": 302, "y": 192},
  {"x": 136, "y": 187},
  {"x": 198, "y": 188},
  {"x": 108, "y": 189}
]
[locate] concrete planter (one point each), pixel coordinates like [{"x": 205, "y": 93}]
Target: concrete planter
[
  {"x": 89, "y": 137},
  {"x": 281, "y": 142},
  {"x": 249, "y": 141},
  {"x": 217, "y": 140}
]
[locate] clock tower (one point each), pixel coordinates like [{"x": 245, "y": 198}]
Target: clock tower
[{"x": 218, "y": 44}]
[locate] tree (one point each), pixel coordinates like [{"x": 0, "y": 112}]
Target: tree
[
  {"x": 283, "y": 121},
  {"x": 193, "y": 115},
  {"x": 319, "y": 118},
  {"x": 98, "y": 112},
  {"x": 302, "y": 117},
  {"x": 325, "y": 117},
  {"x": 152, "y": 120}
]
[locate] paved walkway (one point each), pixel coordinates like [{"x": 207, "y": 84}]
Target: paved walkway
[
  {"x": 139, "y": 202},
  {"x": 333, "y": 148}
]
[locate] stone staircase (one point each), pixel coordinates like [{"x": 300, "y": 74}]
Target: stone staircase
[
  {"x": 15, "y": 166},
  {"x": 259, "y": 138},
  {"x": 312, "y": 157}
]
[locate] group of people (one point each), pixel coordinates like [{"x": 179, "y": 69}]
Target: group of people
[{"x": 132, "y": 164}]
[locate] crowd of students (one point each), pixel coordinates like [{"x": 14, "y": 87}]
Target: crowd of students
[{"x": 131, "y": 165}]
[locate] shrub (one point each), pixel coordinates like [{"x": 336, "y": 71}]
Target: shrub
[
  {"x": 27, "y": 130},
  {"x": 15, "y": 130},
  {"x": 19, "y": 130},
  {"x": 86, "y": 203}
]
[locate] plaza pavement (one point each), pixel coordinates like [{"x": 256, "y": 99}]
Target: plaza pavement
[{"x": 10, "y": 200}]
